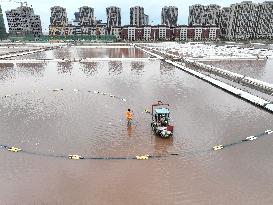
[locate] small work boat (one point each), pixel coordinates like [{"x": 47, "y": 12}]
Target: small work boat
[{"x": 161, "y": 120}]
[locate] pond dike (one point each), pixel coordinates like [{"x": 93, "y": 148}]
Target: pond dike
[
  {"x": 184, "y": 64},
  {"x": 26, "y": 52}
]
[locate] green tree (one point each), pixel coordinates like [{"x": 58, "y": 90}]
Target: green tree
[{"x": 3, "y": 33}]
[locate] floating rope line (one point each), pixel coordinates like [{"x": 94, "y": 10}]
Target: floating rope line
[
  {"x": 139, "y": 157},
  {"x": 78, "y": 157},
  {"x": 74, "y": 90},
  {"x": 247, "y": 139}
]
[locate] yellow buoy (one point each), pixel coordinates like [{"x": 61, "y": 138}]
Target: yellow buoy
[
  {"x": 14, "y": 149},
  {"x": 269, "y": 132},
  {"x": 217, "y": 147},
  {"x": 75, "y": 156},
  {"x": 251, "y": 138},
  {"x": 142, "y": 157}
]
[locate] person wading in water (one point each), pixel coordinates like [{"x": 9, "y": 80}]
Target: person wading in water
[{"x": 129, "y": 117}]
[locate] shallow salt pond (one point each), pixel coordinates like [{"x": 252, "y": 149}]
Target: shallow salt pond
[{"x": 89, "y": 124}]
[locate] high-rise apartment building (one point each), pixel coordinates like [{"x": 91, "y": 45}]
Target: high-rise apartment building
[
  {"x": 58, "y": 16},
  {"x": 23, "y": 21},
  {"x": 86, "y": 17},
  {"x": 247, "y": 20},
  {"x": 146, "y": 19},
  {"x": 77, "y": 17},
  {"x": 225, "y": 21},
  {"x": 265, "y": 24},
  {"x": 169, "y": 16},
  {"x": 76, "y": 24},
  {"x": 136, "y": 16},
  {"x": 83, "y": 24},
  {"x": 244, "y": 21},
  {"x": 200, "y": 15},
  {"x": 58, "y": 21},
  {"x": 113, "y": 16}
]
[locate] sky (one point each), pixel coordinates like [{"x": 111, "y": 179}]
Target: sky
[{"x": 151, "y": 8}]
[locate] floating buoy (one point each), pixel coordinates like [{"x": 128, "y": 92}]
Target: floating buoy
[
  {"x": 269, "y": 132},
  {"x": 250, "y": 138},
  {"x": 74, "y": 90},
  {"x": 14, "y": 149},
  {"x": 75, "y": 157},
  {"x": 217, "y": 147},
  {"x": 144, "y": 157},
  {"x": 56, "y": 89}
]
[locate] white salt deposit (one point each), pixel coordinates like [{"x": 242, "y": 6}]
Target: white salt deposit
[{"x": 212, "y": 51}]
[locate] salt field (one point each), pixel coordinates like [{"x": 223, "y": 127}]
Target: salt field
[
  {"x": 261, "y": 70},
  {"x": 55, "y": 109},
  {"x": 235, "y": 64},
  {"x": 86, "y": 52},
  {"x": 214, "y": 52}
]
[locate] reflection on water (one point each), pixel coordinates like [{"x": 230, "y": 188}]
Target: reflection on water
[
  {"x": 268, "y": 71},
  {"x": 115, "y": 67},
  {"x": 109, "y": 53},
  {"x": 33, "y": 69},
  {"x": 62, "y": 53},
  {"x": 39, "y": 55},
  {"x": 258, "y": 69},
  {"x": 6, "y": 65},
  {"x": 67, "y": 122},
  {"x": 7, "y": 71},
  {"x": 65, "y": 67},
  {"x": 84, "y": 52},
  {"x": 129, "y": 130},
  {"x": 90, "y": 69},
  {"x": 162, "y": 146},
  {"x": 137, "y": 67},
  {"x": 166, "y": 69}
]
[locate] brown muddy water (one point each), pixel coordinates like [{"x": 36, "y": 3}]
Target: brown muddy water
[
  {"x": 68, "y": 122},
  {"x": 85, "y": 52}
]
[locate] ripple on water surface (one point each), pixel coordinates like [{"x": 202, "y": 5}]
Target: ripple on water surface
[{"x": 69, "y": 122}]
